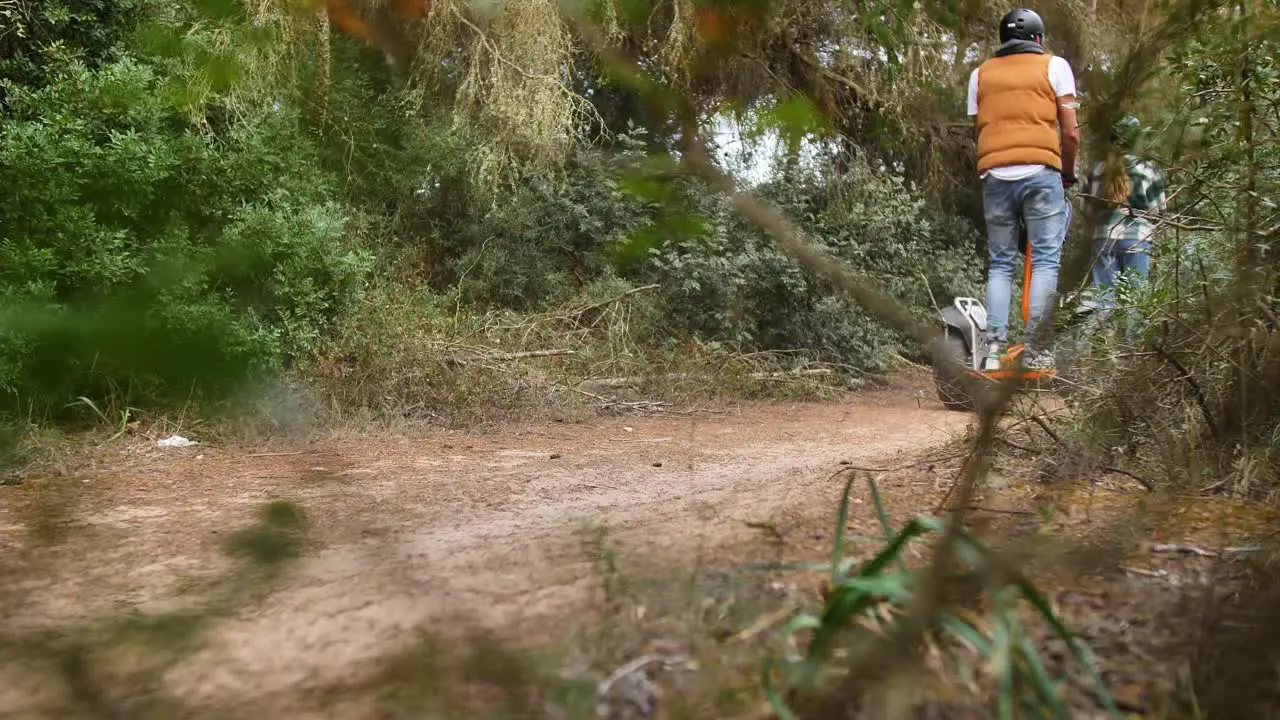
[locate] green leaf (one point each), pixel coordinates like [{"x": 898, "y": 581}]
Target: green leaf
[
  {"x": 633, "y": 11},
  {"x": 219, "y": 9},
  {"x": 800, "y": 622},
  {"x": 852, "y": 597},
  {"x": 1079, "y": 652},
  {"x": 222, "y": 70},
  {"x": 645, "y": 188},
  {"x": 687, "y": 225},
  {"x": 636, "y": 246},
  {"x": 159, "y": 40},
  {"x": 895, "y": 587},
  {"x": 795, "y": 117}
]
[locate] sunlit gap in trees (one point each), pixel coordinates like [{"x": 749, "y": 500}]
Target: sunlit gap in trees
[{"x": 753, "y": 157}]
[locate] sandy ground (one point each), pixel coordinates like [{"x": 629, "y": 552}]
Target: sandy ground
[{"x": 408, "y": 533}]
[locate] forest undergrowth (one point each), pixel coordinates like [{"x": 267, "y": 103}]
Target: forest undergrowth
[{"x": 241, "y": 221}]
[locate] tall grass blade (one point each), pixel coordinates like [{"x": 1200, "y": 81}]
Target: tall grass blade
[
  {"x": 1078, "y": 651},
  {"x": 1044, "y": 685},
  {"x": 895, "y": 587},
  {"x": 842, "y": 518},
  {"x": 776, "y": 702},
  {"x": 1002, "y": 661},
  {"x": 124, "y": 424},
  {"x": 883, "y": 517},
  {"x": 849, "y": 601},
  {"x": 968, "y": 634},
  {"x": 92, "y": 406}
]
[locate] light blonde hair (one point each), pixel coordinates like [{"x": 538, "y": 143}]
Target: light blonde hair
[{"x": 1115, "y": 179}]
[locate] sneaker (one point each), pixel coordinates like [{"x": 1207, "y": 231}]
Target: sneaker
[
  {"x": 992, "y": 360},
  {"x": 1038, "y": 360}
]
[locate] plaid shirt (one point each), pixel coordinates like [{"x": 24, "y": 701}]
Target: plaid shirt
[{"x": 1146, "y": 198}]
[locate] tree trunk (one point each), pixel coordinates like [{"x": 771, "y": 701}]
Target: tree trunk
[
  {"x": 1249, "y": 262},
  {"x": 321, "y": 99}
]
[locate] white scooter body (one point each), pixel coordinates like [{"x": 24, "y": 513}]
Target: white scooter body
[{"x": 966, "y": 319}]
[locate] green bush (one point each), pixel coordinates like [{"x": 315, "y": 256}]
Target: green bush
[
  {"x": 139, "y": 252},
  {"x": 533, "y": 246},
  {"x": 549, "y": 240},
  {"x": 36, "y": 37},
  {"x": 171, "y": 222},
  {"x": 722, "y": 280},
  {"x": 729, "y": 281}
]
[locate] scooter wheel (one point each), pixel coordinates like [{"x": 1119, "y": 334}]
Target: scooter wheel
[{"x": 950, "y": 375}]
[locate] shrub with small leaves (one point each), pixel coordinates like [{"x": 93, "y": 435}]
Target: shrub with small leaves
[
  {"x": 139, "y": 253},
  {"x": 726, "y": 280}
]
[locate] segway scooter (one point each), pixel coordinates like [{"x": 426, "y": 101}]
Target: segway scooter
[{"x": 964, "y": 335}]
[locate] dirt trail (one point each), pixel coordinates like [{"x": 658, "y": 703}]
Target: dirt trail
[{"x": 413, "y": 531}]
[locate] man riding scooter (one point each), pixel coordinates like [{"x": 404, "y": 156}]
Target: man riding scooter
[{"x": 1023, "y": 101}]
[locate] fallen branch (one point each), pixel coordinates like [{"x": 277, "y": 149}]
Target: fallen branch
[
  {"x": 898, "y": 468},
  {"x": 1141, "y": 481},
  {"x": 1193, "y": 550},
  {"x": 614, "y": 382},
  {"x": 507, "y": 357},
  {"x": 501, "y": 357},
  {"x": 1183, "y": 549},
  {"x": 765, "y": 622},
  {"x": 1195, "y": 388},
  {"x": 611, "y": 402},
  {"x": 1048, "y": 430},
  {"x": 769, "y": 528},
  {"x": 637, "y": 404},
  {"x": 634, "y": 666},
  {"x": 641, "y": 379},
  {"x": 1157, "y": 574},
  {"x": 998, "y": 511},
  {"x": 1016, "y": 446},
  {"x": 617, "y": 298},
  {"x": 909, "y": 363},
  {"x": 783, "y": 374}
]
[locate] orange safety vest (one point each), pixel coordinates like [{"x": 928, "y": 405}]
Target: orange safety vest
[{"x": 1017, "y": 113}]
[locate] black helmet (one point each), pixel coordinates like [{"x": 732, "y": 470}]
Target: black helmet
[{"x": 1021, "y": 24}]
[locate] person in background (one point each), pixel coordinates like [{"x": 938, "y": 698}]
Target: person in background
[
  {"x": 1127, "y": 193},
  {"x": 1024, "y": 103}
]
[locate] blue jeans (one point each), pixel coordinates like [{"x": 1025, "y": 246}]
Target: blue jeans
[
  {"x": 1118, "y": 258},
  {"x": 1040, "y": 203}
]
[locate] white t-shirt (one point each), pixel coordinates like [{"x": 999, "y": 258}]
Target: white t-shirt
[{"x": 1063, "y": 82}]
